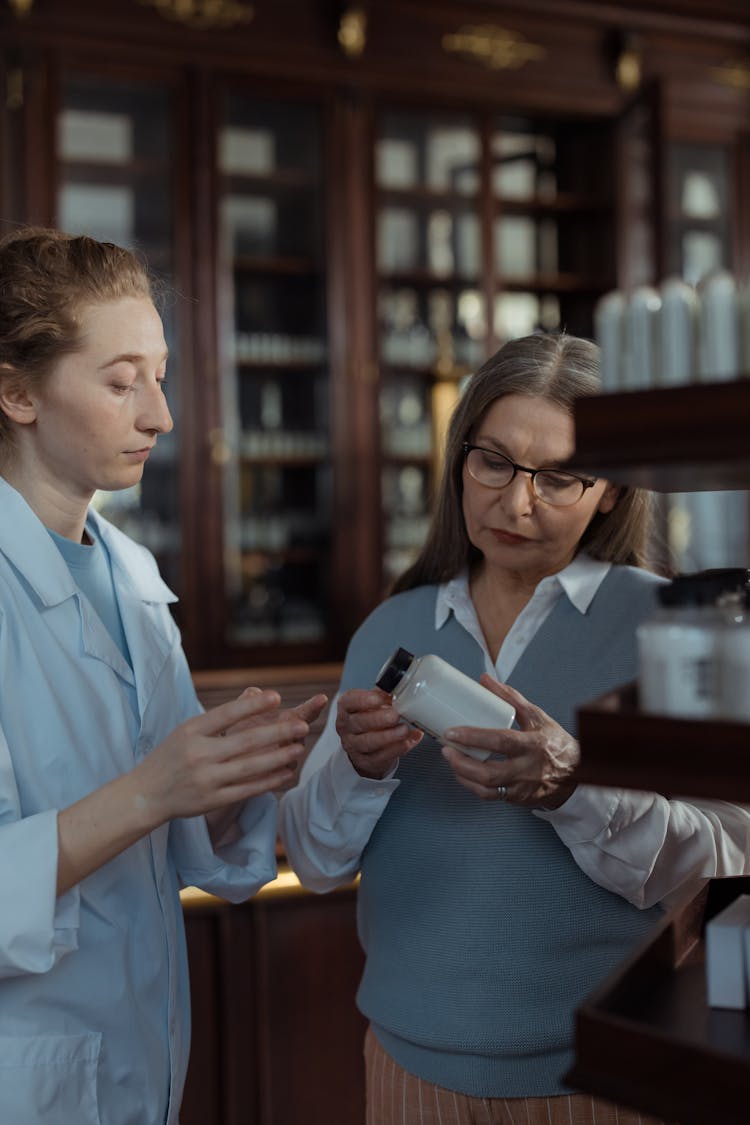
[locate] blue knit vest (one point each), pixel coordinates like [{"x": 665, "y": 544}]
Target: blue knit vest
[{"x": 481, "y": 933}]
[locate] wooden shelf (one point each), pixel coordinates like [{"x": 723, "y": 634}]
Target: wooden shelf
[
  {"x": 564, "y": 203},
  {"x": 420, "y": 279},
  {"x": 647, "y": 1038},
  {"x": 672, "y": 439},
  {"x": 424, "y": 197},
  {"x": 267, "y": 183},
  {"x": 624, "y": 747},
  {"x": 283, "y": 266}
]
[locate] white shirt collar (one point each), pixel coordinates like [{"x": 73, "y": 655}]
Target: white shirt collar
[{"x": 579, "y": 580}]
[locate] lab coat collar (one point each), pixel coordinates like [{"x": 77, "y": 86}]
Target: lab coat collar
[
  {"x": 25, "y": 541},
  {"x": 135, "y": 566}
]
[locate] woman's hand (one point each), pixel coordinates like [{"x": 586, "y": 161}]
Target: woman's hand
[
  {"x": 235, "y": 751},
  {"x": 539, "y": 763},
  {"x": 222, "y": 823},
  {"x": 214, "y": 761},
  {"x": 372, "y": 732}
]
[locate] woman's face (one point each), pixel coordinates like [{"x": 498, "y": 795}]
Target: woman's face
[
  {"x": 98, "y": 414},
  {"x": 513, "y": 530}
]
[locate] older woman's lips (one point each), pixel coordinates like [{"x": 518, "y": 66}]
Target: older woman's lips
[{"x": 508, "y": 537}]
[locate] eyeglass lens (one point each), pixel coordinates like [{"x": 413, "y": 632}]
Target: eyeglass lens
[{"x": 496, "y": 471}]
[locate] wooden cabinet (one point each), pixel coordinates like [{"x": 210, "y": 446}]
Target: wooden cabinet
[
  {"x": 277, "y": 1038},
  {"x": 486, "y": 227},
  {"x": 343, "y": 237},
  {"x": 647, "y": 1036}
]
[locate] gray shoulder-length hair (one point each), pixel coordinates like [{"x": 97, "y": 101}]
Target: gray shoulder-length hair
[{"x": 559, "y": 369}]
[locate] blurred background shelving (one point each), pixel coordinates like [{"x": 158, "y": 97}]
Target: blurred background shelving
[{"x": 344, "y": 238}]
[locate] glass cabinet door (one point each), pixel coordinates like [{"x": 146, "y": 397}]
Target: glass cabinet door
[
  {"x": 115, "y": 167},
  {"x": 553, "y": 245},
  {"x": 705, "y": 529},
  {"x": 277, "y": 476},
  {"x": 699, "y": 210},
  {"x": 485, "y": 230},
  {"x": 431, "y": 316}
]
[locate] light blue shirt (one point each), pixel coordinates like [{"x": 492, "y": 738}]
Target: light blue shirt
[
  {"x": 91, "y": 567},
  {"x": 94, "y": 1000}
]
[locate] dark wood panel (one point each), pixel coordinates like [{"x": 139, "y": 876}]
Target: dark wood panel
[
  {"x": 203, "y": 1102},
  {"x": 277, "y": 1037},
  {"x": 672, "y": 439},
  {"x": 647, "y": 1038},
  {"x": 624, "y": 747},
  {"x": 311, "y": 1034}
]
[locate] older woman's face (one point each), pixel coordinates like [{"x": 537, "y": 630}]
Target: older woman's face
[{"x": 513, "y": 530}]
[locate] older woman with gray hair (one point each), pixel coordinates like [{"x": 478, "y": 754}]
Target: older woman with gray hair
[{"x": 495, "y": 894}]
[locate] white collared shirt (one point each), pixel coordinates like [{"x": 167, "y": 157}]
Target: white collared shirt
[
  {"x": 639, "y": 845},
  {"x": 580, "y": 581}
]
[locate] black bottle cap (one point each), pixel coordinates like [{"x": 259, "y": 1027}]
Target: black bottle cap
[
  {"x": 704, "y": 587},
  {"x": 393, "y": 669}
]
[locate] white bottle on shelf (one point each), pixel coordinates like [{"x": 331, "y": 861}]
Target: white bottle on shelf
[
  {"x": 677, "y": 332},
  {"x": 641, "y": 360},
  {"x": 734, "y": 657},
  {"x": 433, "y": 696},
  {"x": 677, "y": 655},
  {"x": 609, "y": 331},
  {"x": 719, "y": 328},
  {"x": 743, "y": 301}
]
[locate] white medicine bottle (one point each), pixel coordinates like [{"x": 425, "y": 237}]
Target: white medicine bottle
[
  {"x": 678, "y": 646},
  {"x": 734, "y": 657},
  {"x": 433, "y": 696}
]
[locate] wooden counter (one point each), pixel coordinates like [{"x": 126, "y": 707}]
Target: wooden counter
[{"x": 277, "y": 1038}]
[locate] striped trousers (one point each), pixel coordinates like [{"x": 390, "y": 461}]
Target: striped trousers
[{"x": 395, "y": 1097}]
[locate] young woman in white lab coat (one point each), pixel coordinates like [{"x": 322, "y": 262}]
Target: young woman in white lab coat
[{"x": 115, "y": 789}]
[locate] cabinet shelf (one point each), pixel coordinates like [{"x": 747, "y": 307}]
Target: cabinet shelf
[
  {"x": 112, "y": 172},
  {"x": 419, "y": 279},
  {"x": 672, "y": 439},
  {"x": 426, "y": 198},
  {"x": 281, "y": 181},
  {"x": 288, "y": 461},
  {"x": 302, "y": 366},
  {"x": 298, "y": 267},
  {"x": 561, "y": 204},
  {"x": 391, "y": 458},
  {"x": 622, "y": 746},
  {"x": 534, "y": 283},
  {"x": 561, "y": 283},
  {"x": 647, "y": 1037}
]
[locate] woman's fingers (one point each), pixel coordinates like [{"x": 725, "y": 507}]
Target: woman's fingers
[
  {"x": 528, "y": 715},
  {"x": 311, "y": 708},
  {"x": 252, "y": 702},
  {"x": 372, "y": 732}
]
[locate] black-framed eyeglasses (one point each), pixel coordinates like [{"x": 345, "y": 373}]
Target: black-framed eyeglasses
[{"x": 551, "y": 486}]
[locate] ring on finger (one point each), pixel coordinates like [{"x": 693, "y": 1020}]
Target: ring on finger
[{"x": 502, "y": 792}]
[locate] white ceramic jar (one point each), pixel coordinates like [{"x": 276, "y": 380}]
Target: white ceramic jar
[{"x": 679, "y": 645}]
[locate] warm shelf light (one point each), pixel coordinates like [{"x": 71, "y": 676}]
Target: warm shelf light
[
  {"x": 21, "y": 7},
  {"x": 352, "y": 35},
  {"x": 200, "y": 13}
]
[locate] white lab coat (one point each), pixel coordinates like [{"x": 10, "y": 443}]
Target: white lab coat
[{"x": 94, "y": 1002}]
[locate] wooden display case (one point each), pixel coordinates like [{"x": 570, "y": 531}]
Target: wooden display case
[
  {"x": 622, "y": 746},
  {"x": 278, "y": 549},
  {"x": 670, "y": 439},
  {"x": 647, "y": 1038}
]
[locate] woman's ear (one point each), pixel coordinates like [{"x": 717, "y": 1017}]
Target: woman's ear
[
  {"x": 609, "y": 498},
  {"x": 15, "y": 401}
]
